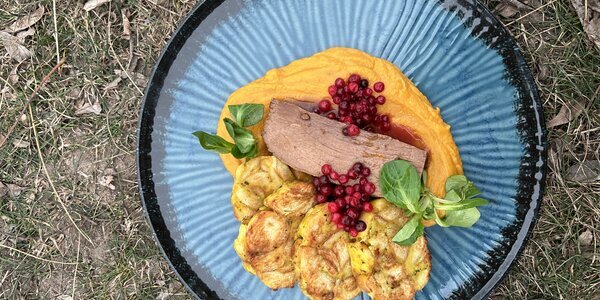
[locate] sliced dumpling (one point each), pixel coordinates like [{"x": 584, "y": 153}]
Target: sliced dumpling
[
  {"x": 254, "y": 180},
  {"x": 384, "y": 269},
  {"x": 322, "y": 261}
]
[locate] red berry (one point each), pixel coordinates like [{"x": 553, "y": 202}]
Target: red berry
[
  {"x": 380, "y": 99},
  {"x": 349, "y": 190},
  {"x": 332, "y": 207},
  {"x": 386, "y": 126},
  {"x": 332, "y": 90},
  {"x": 354, "y": 78},
  {"x": 369, "y": 188},
  {"x": 320, "y": 198},
  {"x": 368, "y": 91},
  {"x": 352, "y": 213},
  {"x": 340, "y": 225},
  {"x": 379, "y": 87},
  {"x": 352, "y": 174},
  {"x": 316, "y": 182},
  {"x": 338, "y": 191},
  {"x": 332, "y": 116},
  {"x": 357, "y": 195},
  {"x": 385, "y": 119},
  {"x": 346, "y": 220},
  {"x": 367, "y": 206},
  {"x": 360, "y": 226},
  {"x": 339, "y": 82},
  {"x": 364, "y": 83},
  {"x": 340, "y": 202},
  {"x": 353, "y": 130},
  {"x": 326, "y": 169},
  {"x": 353, "y": 87},
  {"x": 362, "y": 181},
  {"x": 323, "y": 180},
  {"x": 325, "y": 190},
  {"x": 334, "y": 175},
  {"x": 365, "y": 172},
  {"x": 343, "y": 179},
  {"x": 324, "y": 105},
  {"x": 353, "y": 232},
  {"x": 336, "y": 217}
]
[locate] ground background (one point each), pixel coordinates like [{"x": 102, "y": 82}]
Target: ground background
[{"x": 77, "y": 147}]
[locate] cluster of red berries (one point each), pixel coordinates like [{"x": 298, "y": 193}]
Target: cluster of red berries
[
  {"x": 346, "y": 200},
  {"x": 357, "y": 105}
]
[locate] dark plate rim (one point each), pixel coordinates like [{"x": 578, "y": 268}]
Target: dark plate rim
[{"x": 160, "y": 232}]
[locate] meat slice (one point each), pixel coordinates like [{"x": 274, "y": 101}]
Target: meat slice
[{"x": 305, "y": 141}]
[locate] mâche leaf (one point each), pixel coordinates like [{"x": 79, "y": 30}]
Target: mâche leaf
[
  {"x": 213, "y": 142},
  {"x": 464, "y": 204},
  {"x": 413, "y": 237},
  {"x": 460, "y": 218},
  {"x": 244, "y": 146},
  {"x": 400, "y": 184},
  {"x": 243, "y": 138},
  {"x": 407, "y": 230},
  {"x": 247, "y": 114},
  {"x": 456, "y": 182}
]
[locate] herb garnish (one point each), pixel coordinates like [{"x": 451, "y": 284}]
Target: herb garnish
[
  {"x": 400, "y": 184},
  {"x": 243, "y": 115}
]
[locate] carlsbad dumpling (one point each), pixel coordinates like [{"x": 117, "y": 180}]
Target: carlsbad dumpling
[
  {"x": 266, "y": 243},
  {"x": 322, "y": 261},
  {"x": 254, "y": 180},
  {"x": 384, "y": 269}
]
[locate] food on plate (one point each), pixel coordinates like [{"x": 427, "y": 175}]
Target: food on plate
[
  {"x": 266, "y": 244},
  {"x": 254, "y": 180},
  {"x": 339, "y": 164},
  {"x": 384, "y": 269},
  {"x": 321, "y": 258}
]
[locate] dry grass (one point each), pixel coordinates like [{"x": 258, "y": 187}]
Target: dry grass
[{"x": 82, "y": 153}]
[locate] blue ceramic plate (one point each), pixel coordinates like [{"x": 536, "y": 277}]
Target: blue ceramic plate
[{"x": 455, "y": 51}]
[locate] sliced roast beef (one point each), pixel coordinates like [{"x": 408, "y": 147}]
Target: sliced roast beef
[{"x": 305, "y": 141}]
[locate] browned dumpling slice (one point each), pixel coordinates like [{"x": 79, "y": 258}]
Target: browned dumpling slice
[
  {"x": 293, "y": 199},
  {"x": 382, "y": 268},
  {"x": 322, "y": 261},
  {"x": 254, "y": 181},
  {"x": 266, "y": 243}
]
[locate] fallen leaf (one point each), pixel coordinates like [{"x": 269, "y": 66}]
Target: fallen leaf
[
  {"x": 13, "y": 190},
  {"x": 26, "y": 21},
  {"x": 594, "y": 5},
  {"x": 506, "y": 10},
  {"x": 93, "y": 4},
  {"x": 20, "y": 144},
  {"x": 14, "y": 48},
  {"x": 542, "y": 70},
  {"x": 113, "y": 84},
  {"x": 567, "y": 113},
  {"x": 13, "y": 77},
  {"x": 585, "y": 238},
  {"x": 163, "y": 296},
  {"x": 126, "y": 24},
  {"x": 3, "y": 190},
  {"x": 584, "y": 172},
  {"x": 88, "y": 108},
  {"x": 23, "y": 34},
  {"x": 589, "y": 15},
  {"x": 106, "y": 181}
]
